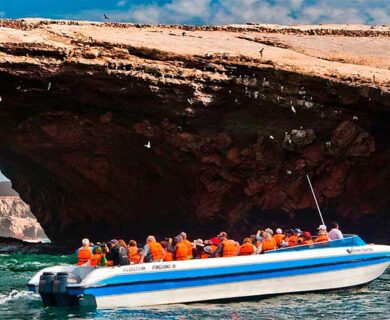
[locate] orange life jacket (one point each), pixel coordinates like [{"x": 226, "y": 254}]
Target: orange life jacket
[
  {"x": 156, "y": 250},
  {"x": 292, "y": 240},
  {"x": 84, "y": 255},
  {"x": 322, "y": 238},
  {"x": 268, "y": 244},
  {"x": 189, "y": 248},
  {"x": 246, "y": 249},
  {"x": 229, "y": 248},
  {"x": 278, "y": 238},
  {"x": 95, "y": 259},
  {"x": 168, "y": 256},
  {"x": 181, "y": 251},
  {"x": 110, "y": 263},
  {"x": 133, "y": 255},
  {"x": 204, "y": 255},
  {"x": 307, "y": 241}
]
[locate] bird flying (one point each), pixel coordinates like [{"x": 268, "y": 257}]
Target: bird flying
[
  {"x": 105, "y": 17},
  {"x": 148, "y": 145}
]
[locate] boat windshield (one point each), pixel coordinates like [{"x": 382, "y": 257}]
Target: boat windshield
[{"x": 350, "y": 240}]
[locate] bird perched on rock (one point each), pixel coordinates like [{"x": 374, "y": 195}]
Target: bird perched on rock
[
  {"x": 261, "y": 52},
  {"x": 183, "y": 34},
  {"x": 293, "y": 109},
  {"x": 355, "y": 118},
  {"x": 288, "y": 172},
  {"x": 271, "y": 137},
  {"x": 105, "y": 17},
  {"x": 148, "y": 145},
  {"x": 49, "y": 86}
]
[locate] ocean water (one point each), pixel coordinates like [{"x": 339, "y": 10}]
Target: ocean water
[{"x": 369, "y": 302}]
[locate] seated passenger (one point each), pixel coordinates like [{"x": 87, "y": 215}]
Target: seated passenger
[
  {"x": 335, "y": 233},
  {"x": 210, "y": 247},
  {"x": 84, "y": 253},
  {"x": 307, "y": 238},
  {"x": 96, "y": 257},
  {"x": 188, "y": 244},
  {"x": 152, "y": 251},
  {"x": 133, "y": 253},
  {"x": 167, "y": 246},
  {"x": 279, "y": 236},
  {"x": 247, "y": 248},
  {"x": 322, "y": 235},
  {"x": 117, "y": 254},
  {"x": 226, "y": 248},
  {"x": 206, "y": 253},
  {"x": 199, "y": 248},
  {"x": 180, "y": 249},
  {"x": 268, "y": 242}
]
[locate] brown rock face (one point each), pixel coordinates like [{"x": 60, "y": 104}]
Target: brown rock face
[{"x": 80, "y": 101}]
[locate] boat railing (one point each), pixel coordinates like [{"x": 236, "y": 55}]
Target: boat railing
[{"x": 350, "y": 240}]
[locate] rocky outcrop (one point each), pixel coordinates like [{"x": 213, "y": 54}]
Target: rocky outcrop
[{"x": 233, "y": 132}]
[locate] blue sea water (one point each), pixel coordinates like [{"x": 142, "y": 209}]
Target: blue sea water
[{"x": 369, "y": 302}]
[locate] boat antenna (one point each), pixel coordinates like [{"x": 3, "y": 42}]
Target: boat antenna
[{"x": 315, "y": 199}]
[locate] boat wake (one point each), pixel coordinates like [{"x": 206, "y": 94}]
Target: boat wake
[{"x": 15, "y": 295}]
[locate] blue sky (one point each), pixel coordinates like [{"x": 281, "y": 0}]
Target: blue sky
[
  {"x": 204, "y": 11},
  {"x": 2, "y": 177}
]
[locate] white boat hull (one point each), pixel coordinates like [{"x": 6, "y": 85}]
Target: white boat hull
[{"x": 313, "y": 282}]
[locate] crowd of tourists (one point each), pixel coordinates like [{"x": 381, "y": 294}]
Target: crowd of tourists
[{"x": 118, "y": 253}]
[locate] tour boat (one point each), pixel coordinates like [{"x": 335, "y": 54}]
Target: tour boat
[{"x": 323, "y": 266}]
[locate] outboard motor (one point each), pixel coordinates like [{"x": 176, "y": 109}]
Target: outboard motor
[
  {"x": 60, "y": 293},
  {"x": 46, "y": 288}
]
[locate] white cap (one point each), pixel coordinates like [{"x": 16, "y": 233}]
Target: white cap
[
  {"x": 322, "y": 227},
  {"x": 278, "y": 230}
]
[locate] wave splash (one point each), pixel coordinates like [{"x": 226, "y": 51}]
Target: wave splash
[{"x": 15, "y": 295}]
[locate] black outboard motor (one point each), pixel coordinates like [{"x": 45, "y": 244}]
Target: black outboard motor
[
  {"x": 60, "y": 293},
  {"x": 46, "y": 288}
]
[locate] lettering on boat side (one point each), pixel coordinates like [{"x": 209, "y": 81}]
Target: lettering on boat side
[
  {"x": 134, "y": 269},
  {"x": 360, "y": 250},
  {"x": 164, "y": 266}
]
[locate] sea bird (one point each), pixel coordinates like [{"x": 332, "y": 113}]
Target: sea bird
[
  {"x": 355, "y": 118},
  {"x": 148, "y": 145},
  {"x": 271, "y": 137},
  {"x": 49, "y": 86},
  {"x": 293, "y": 109},
  {"x": 261, "y": 52},
  {"x": 105, "y": 17}
]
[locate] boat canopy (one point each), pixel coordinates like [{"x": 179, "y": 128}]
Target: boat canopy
[{"x": 350, "y": 240}]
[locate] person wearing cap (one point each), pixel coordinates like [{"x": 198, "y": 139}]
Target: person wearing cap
[
  {"x": 322, "y": 235},
  {"x": 335, "y": 233},
  {"x": 199, "y": 248},
  {"x": 279, "y": 236},
  {"x": 247, "y": 248},
  {"x": 188, "y": 244},
  {"x": 84, "y": 253},
  {"x": 226, "y": 248},
  {"x": 180, "y": 249},
  {"x": 206, "y": 253},
  {"x": 210, "y": 247},
  {"x": 307, "y": 238},
  {"x": 152, "y": 251}
]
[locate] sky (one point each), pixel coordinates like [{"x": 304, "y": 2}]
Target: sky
[
  {"x": 2, "y": 177},
  {"x": 204, "y": 11}
]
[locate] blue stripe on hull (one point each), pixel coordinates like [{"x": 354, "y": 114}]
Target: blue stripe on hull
[{"x": 166, "y": 284}]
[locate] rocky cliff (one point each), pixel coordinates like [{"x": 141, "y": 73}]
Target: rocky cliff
[
  {"x": 16, "y": 219},
  {"x": 236, "y": 117}
]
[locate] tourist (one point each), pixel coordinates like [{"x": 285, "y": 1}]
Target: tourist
[
  {"x": 226, "y": 248},
  {"x": 307, "y": 238},
  {"x": 152, "y": 251},
  {"x": 168, "y": 252},
  {"x": 133, "y": 253},
  {"x": 335, "y": 233},
  {"x": 247, "y": 248},
  {"x": 117, "y": 254},
  {"x": 188, "y": 244},
  {"x": 84, "y": 253},
  {"x": 268, "y": 242},
  {"x": 180, "y": 249},
  {"x": 322, "y": 235},
  {"x": 279, "y": 236},
  {"x": 199, "y": 248},
  {"x": 96, "y": 257}
]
